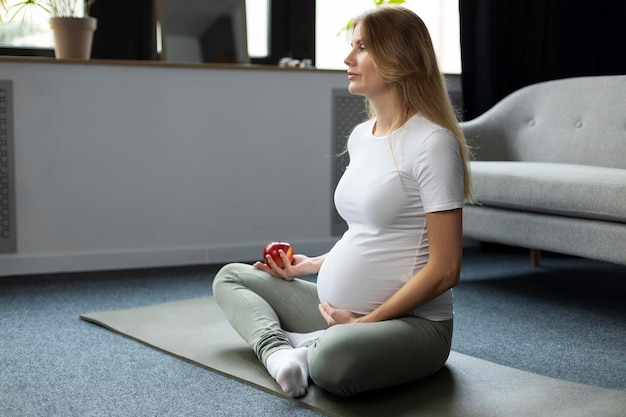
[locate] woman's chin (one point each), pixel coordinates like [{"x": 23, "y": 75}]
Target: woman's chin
[{"x": 352, "y": 89}]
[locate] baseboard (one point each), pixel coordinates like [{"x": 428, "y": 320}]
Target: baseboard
[{"x": 79, "y": 262}]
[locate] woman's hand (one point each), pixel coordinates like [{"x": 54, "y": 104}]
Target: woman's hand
[
  {"x": 301, "y": 265},
  {"x": 334, "y": 315}
]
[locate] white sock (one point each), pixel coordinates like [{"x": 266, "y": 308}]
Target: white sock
[
  {"x": 289, "y": 367},
  {"x": 297, "y": 339}
]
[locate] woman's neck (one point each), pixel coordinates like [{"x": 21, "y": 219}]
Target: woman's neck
[
  {"x": 388, "y": 120},
  {"x": 389, "y": 116}
]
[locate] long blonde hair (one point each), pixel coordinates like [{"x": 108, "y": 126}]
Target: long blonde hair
[{"x": 403, "y": 54}]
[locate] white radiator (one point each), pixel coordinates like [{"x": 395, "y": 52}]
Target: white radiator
[
  {"x": 347, "y": 111},
  {"x": 7, "y": 170}
]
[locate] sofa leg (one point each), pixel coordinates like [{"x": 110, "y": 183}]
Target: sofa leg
[{"x": 535, "y": 257}]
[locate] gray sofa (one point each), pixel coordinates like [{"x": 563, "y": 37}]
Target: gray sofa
[{"x": 550, "y": 169}]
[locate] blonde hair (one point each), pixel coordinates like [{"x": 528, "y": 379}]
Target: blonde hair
[{"x": 400, "y": 47}]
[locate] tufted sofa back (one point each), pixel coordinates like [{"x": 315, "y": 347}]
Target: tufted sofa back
[{"x": 578, "y": 120}]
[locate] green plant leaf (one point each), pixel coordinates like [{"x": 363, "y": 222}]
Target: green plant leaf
[
  {"x": 377, "y": 3},
  {"x": 56, "y": 8}
]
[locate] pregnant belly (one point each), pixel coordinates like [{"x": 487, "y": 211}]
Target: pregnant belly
[{"x": 355, "y": 278}]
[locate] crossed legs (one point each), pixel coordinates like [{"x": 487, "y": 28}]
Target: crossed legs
[{"x": 280, "y": 320}]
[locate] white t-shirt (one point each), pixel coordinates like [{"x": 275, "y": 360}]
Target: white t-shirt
[{"x": 383, "y": 197}]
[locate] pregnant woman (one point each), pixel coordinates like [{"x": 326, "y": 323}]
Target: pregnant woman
[{"x": 380, "y": 313}]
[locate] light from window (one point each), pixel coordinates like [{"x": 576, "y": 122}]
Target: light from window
[
  {"x": 257, "y": 27},
  {"x": 440, "y": 16}
]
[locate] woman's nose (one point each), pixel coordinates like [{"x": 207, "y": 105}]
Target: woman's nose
[{"x": 348, "y": 60}]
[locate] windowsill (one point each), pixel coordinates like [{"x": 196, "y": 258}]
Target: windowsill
[
  {"x": 154, "y": 64},
  {"x": 168, "y": 64}
]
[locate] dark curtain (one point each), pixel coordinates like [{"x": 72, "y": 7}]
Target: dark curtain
[
  {"x": 506, "y": 44},
  {"x": 292, "y": 31},
  {"x": 126, "y": 30}
]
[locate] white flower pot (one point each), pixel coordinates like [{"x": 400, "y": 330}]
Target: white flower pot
[{"x": 73, "y": 36}]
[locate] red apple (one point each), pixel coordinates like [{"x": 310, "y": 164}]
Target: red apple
[{"x": 272, "y": 249}]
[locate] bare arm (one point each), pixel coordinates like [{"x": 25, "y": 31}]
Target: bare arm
[{"x": 441, "y": 272}]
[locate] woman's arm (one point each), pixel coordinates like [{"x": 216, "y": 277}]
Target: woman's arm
[{"x": 441, "y": 272}]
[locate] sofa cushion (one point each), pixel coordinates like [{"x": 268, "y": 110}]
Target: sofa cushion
[{"x": 562, "y": 189}]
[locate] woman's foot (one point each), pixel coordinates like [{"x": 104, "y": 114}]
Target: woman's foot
[{"x": 290, "y": 368}]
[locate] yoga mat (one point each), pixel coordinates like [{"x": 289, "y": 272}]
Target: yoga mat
[{"x": 196, "y": 330}]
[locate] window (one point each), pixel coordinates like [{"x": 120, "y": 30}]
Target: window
[
  {"x": 29, "y": 26},
  {"x": 440, "y": 16},
  {"x": 258, "y": 25}
]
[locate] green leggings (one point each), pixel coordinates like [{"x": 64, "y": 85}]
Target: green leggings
[{"x": 346, "y": 359}]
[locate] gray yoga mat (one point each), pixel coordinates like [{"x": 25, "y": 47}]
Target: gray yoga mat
[{"x": 196, "y": 330}]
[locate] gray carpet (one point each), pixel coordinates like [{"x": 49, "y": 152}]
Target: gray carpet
[
  {"x": 196, "y": 330},
  {"x": 566, "y": 319}
]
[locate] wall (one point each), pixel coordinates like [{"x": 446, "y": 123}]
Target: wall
[{"x": 122, "y": 166}]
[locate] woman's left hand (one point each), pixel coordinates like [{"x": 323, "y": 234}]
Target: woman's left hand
[{"x": 334, "y": 315}]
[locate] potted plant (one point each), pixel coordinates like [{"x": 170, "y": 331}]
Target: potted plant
[{"x": 71, "y": 25}]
